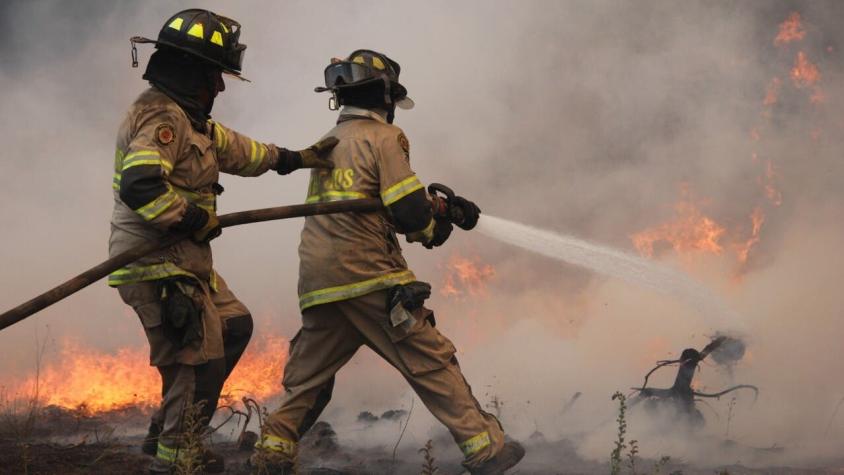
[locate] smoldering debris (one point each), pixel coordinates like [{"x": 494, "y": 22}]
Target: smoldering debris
[{"x": 682, "y": 396}]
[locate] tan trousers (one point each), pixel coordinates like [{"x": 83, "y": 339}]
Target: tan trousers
[
  {"x": 193, "y": 374},
  {"x": 330, "y": 336}
]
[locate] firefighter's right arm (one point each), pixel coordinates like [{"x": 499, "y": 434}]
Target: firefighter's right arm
[
  {"x": 411, "y": 209},
  {"x": 144, "y": 166}
]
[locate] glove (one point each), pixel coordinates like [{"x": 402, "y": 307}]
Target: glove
[
  {"x": 311, "y": 157},
  {"x": 211, "y": 230},
  {"x": 468, "y": 210},
  {"x": 442, "y": 230},
  {"x": 203, "y": 224},
  {"x": 411, "y": 295}
]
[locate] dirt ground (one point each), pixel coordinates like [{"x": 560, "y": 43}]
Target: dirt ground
[{"x": 62, "y": 442}]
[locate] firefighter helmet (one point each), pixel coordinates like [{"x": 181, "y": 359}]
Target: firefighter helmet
[
  {"x": 365, "y": 68},
  {"x": 204, "y": 34}
]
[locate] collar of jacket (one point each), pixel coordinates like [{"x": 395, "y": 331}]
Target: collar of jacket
[{"x": 349, "y": 112}]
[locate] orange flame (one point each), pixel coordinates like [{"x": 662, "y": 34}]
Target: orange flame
[
  {"x": 465, "y": 277},
  {"x": 790, "y": 30},
  {"x": 690, "y": 230},
  {"x": 768, "y": 184},
  {"x": 757, "y": 218},
  {"x": 94, "y": 381},
  {"x": 804, "y": 73},
  {"x": 772, "y": 92}
]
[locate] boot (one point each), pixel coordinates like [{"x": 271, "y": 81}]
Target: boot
[
  {"x": 506, "y": 458},
  {"x": 150, "y": 444}
]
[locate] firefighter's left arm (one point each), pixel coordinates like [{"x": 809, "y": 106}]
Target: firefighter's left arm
[{"x": 238, "y": 154}]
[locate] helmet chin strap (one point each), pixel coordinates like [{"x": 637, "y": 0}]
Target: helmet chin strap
[{"x": 388, "y": 100}]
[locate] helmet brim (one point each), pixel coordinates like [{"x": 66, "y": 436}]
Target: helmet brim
[
  {"x": 227, "y": 70},
  {"x": 405, "y": 103}
]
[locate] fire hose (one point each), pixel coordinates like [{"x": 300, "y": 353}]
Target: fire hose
[{"x": 119, "y": 261}]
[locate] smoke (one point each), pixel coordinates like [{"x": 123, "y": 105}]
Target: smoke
[{"x": 577, "y": 117}]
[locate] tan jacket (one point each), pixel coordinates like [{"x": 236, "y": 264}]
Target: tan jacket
[
  {"x": 347, "y": 255},
  {"x": 157, "y": 132}
]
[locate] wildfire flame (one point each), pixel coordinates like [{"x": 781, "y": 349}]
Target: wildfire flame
[
  {"x": 790, "y": 30},
  {"x": 772, "y": 93},
  {"x": 768, "y": 184},
  {"x": 465, "y": 276},
  {"x": 804, "y": 73},
  {"x": 757, "y": 218},
  {"x": 86, "y": 379},
  {"x": 690, "y": 230}
]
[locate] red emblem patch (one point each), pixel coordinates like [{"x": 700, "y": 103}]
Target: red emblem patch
[{"x": 164, "y": 134}]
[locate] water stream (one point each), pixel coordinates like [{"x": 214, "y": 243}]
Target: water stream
[{"x": 618, "y": 264}]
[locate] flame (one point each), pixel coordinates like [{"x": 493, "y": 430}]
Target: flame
[
  {"x": 465, "y": 277},
  {"x": 94, "y": 381},
  {"x": 690, "y": 230},
  {"x": 772, "y": 92},
  {"x": 767, "y": 181},
  {"x": 804, "y": 73},
  {"x": 757, "y": 218},
  {"x": 258, "y": 374},
  {"x": 790, "y": 30}
]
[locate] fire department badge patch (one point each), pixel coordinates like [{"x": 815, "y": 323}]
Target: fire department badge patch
[
  {"x": 405, "y": 145},
  {"x": 164, "y": 134}
]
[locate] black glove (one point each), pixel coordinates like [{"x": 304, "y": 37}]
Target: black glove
[
  {"x": 468, "y": 210},
  {"x": 442, "y": 230},
  {"x": 411, "y": 296},
  {"x": 312, "y": 157},
  {"x": 203, "y": 224},
  {"x": 181, "y": 317}
]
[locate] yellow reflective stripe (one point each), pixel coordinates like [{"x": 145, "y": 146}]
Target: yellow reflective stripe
[
  {"x": 207, "y": 201},
  {"x": 345, "y": 292},
  {"x": 145, "y": 157},
  {"x": 133, "y": 275},
  {"x": 334, "y": 196},
  {"x": 197, "y": 31},
  {"x": 216, "y": 38},
  {"x": 424, "y": 235},
  {"x": 221, "y": 137},
  {"x": 256, "y": 158},
  {"x": 166, "y": 453},
  {"x": 115, "y": 182},
  {"x": 176, "y": 24},
  {"x": 157, "y": 206},
  {"x": 475, "y": 444},
  {"x": 400, "y": 190},
  {"x": 276, "y": 444},
  {"x": 118, "y": 160}
]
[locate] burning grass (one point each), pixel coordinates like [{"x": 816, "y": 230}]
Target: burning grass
[{"x": 91, "y": 382}]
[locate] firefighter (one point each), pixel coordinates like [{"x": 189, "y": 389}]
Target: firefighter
[
  {"x": 355, "y": 287},
  {"x": 166, "y": 168}
]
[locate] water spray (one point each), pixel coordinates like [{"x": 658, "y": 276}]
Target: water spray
[{"x": 618, "y": 264}]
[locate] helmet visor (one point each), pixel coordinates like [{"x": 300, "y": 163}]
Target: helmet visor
[{"x": 346, "y": 72}]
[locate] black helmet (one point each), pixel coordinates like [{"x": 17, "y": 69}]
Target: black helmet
[
  {"x": 203, "y": 34},
  {"x": 366, "y": 68}
]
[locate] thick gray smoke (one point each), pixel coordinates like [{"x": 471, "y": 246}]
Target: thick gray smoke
[{"x": 580, "y": 117}]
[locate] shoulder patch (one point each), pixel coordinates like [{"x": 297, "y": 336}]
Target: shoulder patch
[
  {"x": 404, "y": 144},
  {"x": 164, "y": 134}
]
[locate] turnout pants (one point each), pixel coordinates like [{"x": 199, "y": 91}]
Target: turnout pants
[
  {"x": 192, "y": 376},
  {"x": 332, "y": 333}
]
